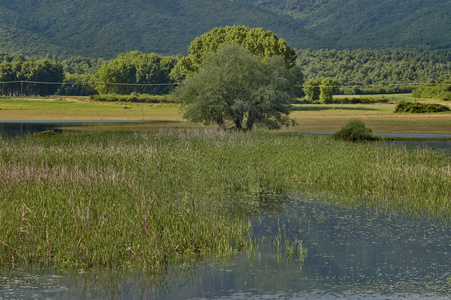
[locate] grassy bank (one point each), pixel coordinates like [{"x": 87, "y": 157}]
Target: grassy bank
[
  {"x": 147, "y": 198},
  {"x": 82, "y": 108},
  {"x": 309, "y": 117}
]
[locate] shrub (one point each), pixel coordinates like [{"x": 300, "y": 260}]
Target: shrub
[
  {"x": 418, "y": 108},
  {"x": 133, "y": 97},
  {"x": 440, "y": 91},
  {"x": 355, "y": 131},
  {"x": 361, "y": 100}
]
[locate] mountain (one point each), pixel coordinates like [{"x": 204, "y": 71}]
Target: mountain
[
  {"x": 373, "y": 24},
  {"x": 104, "y": 28}
]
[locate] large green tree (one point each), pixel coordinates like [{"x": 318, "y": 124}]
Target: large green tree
[
  {"x": 320, "y": 89},
  {"x": 135, "y": 72},
  {"x": 311, "y": 89},
  {"x": 255, "y": 40},
  {"x": 236, "y": 88},
  {"x": 329, "y": 86}
]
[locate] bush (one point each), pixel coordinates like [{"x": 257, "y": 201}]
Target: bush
[
  {"x": 440, "y": 91},
  {"x": 355, "y": 131},
  {"x": 360, "y": 100},
  {"x": 133, "y": 97},
  {"x": 418, "y": 108}
]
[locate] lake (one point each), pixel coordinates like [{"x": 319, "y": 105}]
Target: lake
[
  {"x": 9, "y": 129},
  {"x": 353, "y": 253}
]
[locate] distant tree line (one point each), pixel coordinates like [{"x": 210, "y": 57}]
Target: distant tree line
[
  {"x": 440, "y": 90},
  {"x": 132, "y": 72},
  {"x": 376, "y": 71},
  {"x": 357, "y": 71},
  {"x": 15, "y": 76}
]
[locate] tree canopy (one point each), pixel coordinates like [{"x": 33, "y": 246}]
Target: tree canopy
[
  {"x": 142, "y": 72},
  {"x": 234, "y": 87},
  {"x": 37, "y": 77},
  {"x": 376, "y": 71},
  {"x": 255, "y": 40},
  {"x": 329, "y": 86}
]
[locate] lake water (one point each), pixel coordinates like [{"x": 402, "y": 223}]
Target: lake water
[
  {"x": 352, "y": 253},
  {"x": 9, "y": 129},
  {"x": 426, "y": 144}
]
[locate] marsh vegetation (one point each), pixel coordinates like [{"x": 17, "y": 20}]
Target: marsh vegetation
[{"x": 109, "y": 199}]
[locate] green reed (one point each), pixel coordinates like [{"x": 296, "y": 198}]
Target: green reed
[{"x": 146, "y": 199}]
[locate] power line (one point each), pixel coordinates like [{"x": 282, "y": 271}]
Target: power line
[
  {"x": 87, "y": 82},
  {"x": 175, "y": 83}
]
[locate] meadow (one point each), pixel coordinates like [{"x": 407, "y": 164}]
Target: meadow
[
  {"x": 148, "y": 198},
  {"x": 308, "y": 117}
]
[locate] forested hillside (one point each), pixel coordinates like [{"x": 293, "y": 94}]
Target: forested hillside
[
  {"x": 105, "y": 28},
  {"x": 370, "y": 24},
  {"x": 108, "y": 27},
  {"x": 377, "y": 70}
]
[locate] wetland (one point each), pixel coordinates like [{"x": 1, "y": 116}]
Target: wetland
[{"x": 192, "y": 213}]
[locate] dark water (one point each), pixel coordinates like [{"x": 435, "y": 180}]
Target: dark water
[
  {"x": 10, "y": 129},
  {"x": 352, "y": 254},
  {"x": 413, "y": 144}
]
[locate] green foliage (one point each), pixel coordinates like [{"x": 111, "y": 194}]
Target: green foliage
[
  {"x": 360, "y": 100},
  {"x": 320, "y": 89},
  {"x": 418, "y": 108},
  {"x": 255, "y": 40},
  {"x": 311, "y": 89},
  {"x": 133, "y": 97},
  {"x": 329, "y": 86},
  {"x": 91, "y": 28},
  {"x": 369, "y": 24},
  {"x": 355, "y": 131},
  {"x": 48, "y": 73},
  {"x": 376, "y": 71},
  {"x": 77, "y": 85},
  {"x": 82, "y": 65},
  {"x": 440, "y": 91},
  {"x": 234, "y": 85},
  {"x": 135, "y": 72}
]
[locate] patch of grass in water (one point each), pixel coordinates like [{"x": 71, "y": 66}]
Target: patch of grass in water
[
  {"x": 355, "y": 131},
  {"x": 146, "y": 199}
]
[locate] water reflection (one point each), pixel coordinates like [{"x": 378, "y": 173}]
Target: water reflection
[
  {"x": 352, "y": 253},
  {"x": 10, "y": 129},
  {"x": 434, "y": 141}
]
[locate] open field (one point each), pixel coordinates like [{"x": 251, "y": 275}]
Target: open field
[
  {"x": 309, "y": 117},
  {"x": 81, "y": 108}
]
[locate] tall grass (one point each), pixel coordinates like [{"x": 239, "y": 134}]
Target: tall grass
[{"x": 148, "y": 198}]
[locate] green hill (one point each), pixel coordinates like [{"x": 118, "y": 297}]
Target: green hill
[
  {"x": 104, "y": 28},
  {"x": 108, "y": 27},
  {"x": 370, "y": 24}
]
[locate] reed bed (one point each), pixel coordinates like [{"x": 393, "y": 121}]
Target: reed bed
[{"x": 109, "y": 199}]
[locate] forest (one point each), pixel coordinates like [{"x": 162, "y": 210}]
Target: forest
[
  {"x": 357, "y": 72},
  {"x": 106, "y": 28}
]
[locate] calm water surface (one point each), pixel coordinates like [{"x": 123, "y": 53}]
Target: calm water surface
[
  {"x": 352, "y": 254},
  {"x": 9, "y": 129}
]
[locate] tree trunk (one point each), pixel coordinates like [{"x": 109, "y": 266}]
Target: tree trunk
[
  {"x": 238, "y": 122},
  {"x": 250, "y": 120}
]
